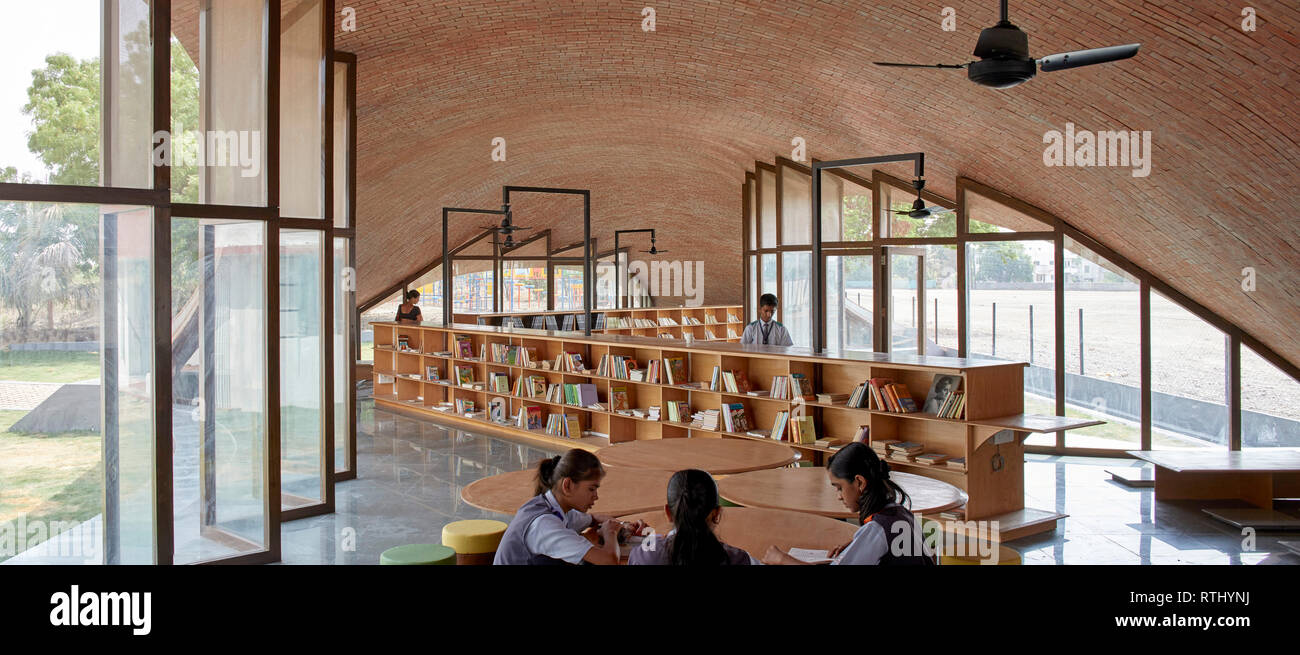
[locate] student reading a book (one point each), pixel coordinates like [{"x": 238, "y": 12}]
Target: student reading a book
[
  {"x": 766, "y": 331},
  {"x": 694, "y": 509},
  {"x": 546, "y": 529},
  {"x": 408, "y": 313},
  {"x": 862, "y": 480}
]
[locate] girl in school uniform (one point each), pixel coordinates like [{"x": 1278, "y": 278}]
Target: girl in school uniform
[
  {"x": 694, "y": 509},
  {"x": 862, "y": 480},
  {"x": 546, "y": 529}
]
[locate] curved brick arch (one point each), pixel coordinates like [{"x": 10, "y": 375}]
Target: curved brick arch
[{"x": 661, "y": 126}]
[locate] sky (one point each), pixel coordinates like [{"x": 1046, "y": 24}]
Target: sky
[{"x": 28, "y": 32}]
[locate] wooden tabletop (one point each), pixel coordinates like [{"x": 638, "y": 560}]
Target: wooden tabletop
[
  {"x": 754, "y": 529},
  {"x": 623, "y": 491},
  {"x": 807, "y": 489},
  {"x": 717, "y": 456},
  {"x": 1221, "y": 460}
]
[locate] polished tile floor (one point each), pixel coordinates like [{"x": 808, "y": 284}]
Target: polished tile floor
[{"x": 411, "y": 472}]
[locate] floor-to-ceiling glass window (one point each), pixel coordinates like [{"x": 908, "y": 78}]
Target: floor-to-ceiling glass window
[
  {"x": 219, "y": 369},
  {"x": 1270, "y": 404},
  {"x": 1188, "y": 379},
  {"x": 1102, "y": 350},
  {"x": 302, "y": 350}
]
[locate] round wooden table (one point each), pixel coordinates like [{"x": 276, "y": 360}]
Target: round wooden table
[
  {"x": 623, "y": 491},
  {"x": 717, "y": 456},
  {"x": 755, "y": 528},
  {"x": 808, "y": 489}
]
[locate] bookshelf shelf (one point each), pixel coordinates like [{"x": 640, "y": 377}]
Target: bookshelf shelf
[
  {"x": 993, "y": 391},
  {"x": 571, "y": 321}
]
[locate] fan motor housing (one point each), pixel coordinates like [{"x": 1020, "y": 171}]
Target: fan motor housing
[{"x": 1002, "y": 73}]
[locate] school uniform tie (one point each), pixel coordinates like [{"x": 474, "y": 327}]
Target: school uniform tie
[{"x": 767, "y": 331}]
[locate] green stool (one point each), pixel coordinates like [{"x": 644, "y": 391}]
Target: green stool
[
  {"x": 723, "y": 502},
  {"x": 419, "y": 554}
]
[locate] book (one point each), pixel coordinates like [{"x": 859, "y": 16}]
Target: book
[
  {"x": 956, "y": 463},
  {"x": 863, "y": 435},
  {"x": 805, "y": 430},
  {"x": 497, "y": 410},
  {"x": 534, "y": 414},
  {"x": 908, "y": 447},
  {"x": 832, "y": 398},
  {"x": 931, "y": 458},
  {"x": 464, "y": 375},
  {"x": 811, "y": 556},
  {"x": 940, "y": 389},
  {"x": 432, "y": 373},
  {"x": 617, "y": 397},
  {"x": 779, "y": 423},
  {"x": 733, "y": 418},
  {"x": 675, "y": 369},
  {"x": 464, "y": 347}
]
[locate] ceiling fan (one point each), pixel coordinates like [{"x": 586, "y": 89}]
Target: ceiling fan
[
  {"x": 1004, "y": 60},
  {"x": 919, "y": 210},
  {"x": 653, "y": 250},
  {"x": 506, "y": 227}
]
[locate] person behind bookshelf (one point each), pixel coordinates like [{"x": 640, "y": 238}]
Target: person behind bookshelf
[
  {"x": 694, "y": 509},
  {"x": 546, "y": 529},
  {"x": 862, "y": 480},
  {"x": 408, "y": 313},
  {"x": 766, "y": 331}
]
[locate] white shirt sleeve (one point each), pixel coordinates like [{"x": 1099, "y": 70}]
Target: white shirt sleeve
[
  {"x": 868, "y": 546},
  {"x": 749, "y": 334},
  {"x": 577, "y": 521},
  {"x": 550, "y": 536}
]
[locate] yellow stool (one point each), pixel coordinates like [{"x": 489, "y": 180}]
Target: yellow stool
[
  {"x": 418, "y": 554},
  {"x": 475, "y": 541},
  {"x": 1005, "y": 556}
]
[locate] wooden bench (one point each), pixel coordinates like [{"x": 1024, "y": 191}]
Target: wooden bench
[{"x": 1255, "y": 476}]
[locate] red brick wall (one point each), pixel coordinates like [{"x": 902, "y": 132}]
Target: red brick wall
[{"x": 661, "y": 126}]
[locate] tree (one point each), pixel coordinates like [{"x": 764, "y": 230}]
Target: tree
[
  {"x": 41, "y": 260},
  {"x": 63, "y": 103}
]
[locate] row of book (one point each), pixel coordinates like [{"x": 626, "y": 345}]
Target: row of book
[
  {"x": 954, "y": 406},
  {"x": 512, "y": 355},
  {"x": 734, "y": 418},
  {"x": 788, "y": 387},
  {"x": 569, "y": 362},
  {"x": 667, "y": 322},
  {"x": 912, "y": 452},
  {"x": 731, "y": 381},
  {"x": 564, "y": 425},
  {"x": 890, "y": 396},
  {"x": 705, "y": 419}
]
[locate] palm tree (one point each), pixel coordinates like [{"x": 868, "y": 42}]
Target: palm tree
[{"x": 41, "y": 261}]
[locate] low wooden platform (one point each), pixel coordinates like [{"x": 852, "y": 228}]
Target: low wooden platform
[
  {"x": 1138, "y": 478},
  {"x": 1255, "y": 476},
  {"x": 1010, "y": 525}
]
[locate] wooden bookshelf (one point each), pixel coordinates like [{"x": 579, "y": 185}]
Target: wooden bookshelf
[
  {"x": 993, "y": 430},
  {"x": 631, "y": 321}
]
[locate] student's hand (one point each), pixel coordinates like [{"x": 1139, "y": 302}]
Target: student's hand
[
  {"x": 635, "y": 528},
  {"x": 775, "y": 555},
  {"x": 835, "y": 552},
  {"x": 609, "y": 530}
]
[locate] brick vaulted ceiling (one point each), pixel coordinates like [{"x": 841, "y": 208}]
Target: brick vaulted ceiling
[{"x": 662, "y": 125}]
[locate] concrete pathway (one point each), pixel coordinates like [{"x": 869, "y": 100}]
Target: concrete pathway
[{"x": 25, "y": 395}]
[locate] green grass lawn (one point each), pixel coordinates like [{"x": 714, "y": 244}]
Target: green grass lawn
[
  {"x": 48, "y": 477},
  {"x": 48, "y": 366}
]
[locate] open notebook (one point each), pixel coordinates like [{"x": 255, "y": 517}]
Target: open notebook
[{"x": 811, "y": 556}]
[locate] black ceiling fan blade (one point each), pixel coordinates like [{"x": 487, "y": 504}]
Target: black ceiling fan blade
[
  {"x": 898, "y": 65},
  {"x": 1066, "y": 60}
]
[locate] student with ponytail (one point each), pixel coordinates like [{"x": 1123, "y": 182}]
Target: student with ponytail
[
  {"x": 546, "y": 529},
  {"x": 862, "y": 480},
  {"x": 694, "y": 509}
]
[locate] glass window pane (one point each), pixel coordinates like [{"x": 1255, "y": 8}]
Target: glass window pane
[
  {"x": 900, "y": 225},
  {"x": 849, "y": 302},
  {"x": 568, "y": 286},
  {"x": 225, "y": 159},
  {"x": 76, "y": 357},
  {"x": 988, "y": 215},
  {"x": 1102, "y": 350},
  {"x": 1011, "y": 307},
  {"x": 769, "y": 276},
  {"x": 302, "y": 364},
  {"x": 430, "y": 287},
  {"x": 767, "y": 208},
  {"x": 1270, "y": 403},
  {"x": 344, "y": 306},
  {"x": 219, "y": 369},
  {"x": 941, "y": 300},
  {"x": 752, "y": 265},
  {"x": 902, "y": 300},
  {"x": 794, "y": 302},
  {"x": 471, "y": 285},
  {"x": 302, "y": 105},
  {"x": 605, "y": 272},
  {"x": 796, "y": 207},
  {"x": 751, "y": 189},
  {"x": 342, "y": 136},
  {"x": 832, "y": 222},
  {"x": 1188, "y": 371},
  {"x": 385, "y": 312},
  {"x": 855, "y": 208},
  {"x": 128, "y": 98},
  {"x": 523, "y": 285}
]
